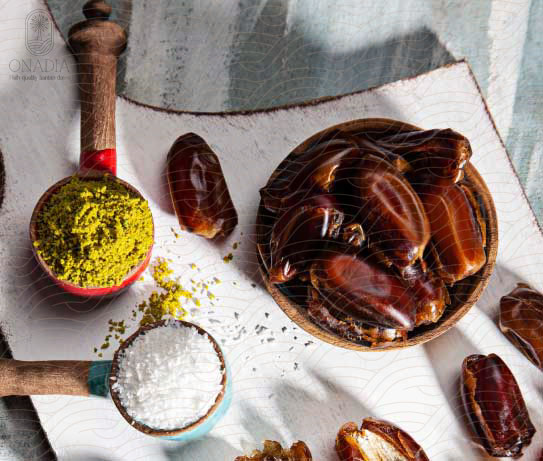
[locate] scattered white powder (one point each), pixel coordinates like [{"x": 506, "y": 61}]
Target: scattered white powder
[{"x": 169, "y": 377}]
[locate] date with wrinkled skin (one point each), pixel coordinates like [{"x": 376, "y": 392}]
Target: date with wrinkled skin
[
  {"x": 476, "y": 206},
  {"x": 377, "y": 441},
  {"x": 389, "y": 209},
  {"x": 429, "y": 291},
  {"x": 495, "y": 407},
  {"x": 456, "y": 233},
  {"x": 311, "y": 172},
  {"x": 368, "y": 146},
  {"x": 198, "y": 190},
  {"x": 273, "y": 451},
  {"x": 521, "y": 320},
  {"x": 299, "y": 232},
  {"x": 347, "y": 328},
  {"x": 437, "y": 154},
  {"x": 364, "y": 290}
]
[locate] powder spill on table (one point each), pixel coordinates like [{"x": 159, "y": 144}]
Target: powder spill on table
[
  {"x": 171, "y": 300},
  {"x": 169, "y": 377},
  {"x": 168, "y": 302}
]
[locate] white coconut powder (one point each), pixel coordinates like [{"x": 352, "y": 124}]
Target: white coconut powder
[{"x": 169, "y": 377}]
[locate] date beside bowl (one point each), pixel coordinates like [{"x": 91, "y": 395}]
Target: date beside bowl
[{"x": 375, "y": 234}]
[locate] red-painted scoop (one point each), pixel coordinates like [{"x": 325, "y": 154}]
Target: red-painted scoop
[{"x": 96, "y": 44}]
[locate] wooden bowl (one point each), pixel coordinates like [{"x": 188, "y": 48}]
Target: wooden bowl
[
  {"x": 131, "y": 277},
  {"x": 464, "y": 294},
  {"x": 199, "y": 427}
]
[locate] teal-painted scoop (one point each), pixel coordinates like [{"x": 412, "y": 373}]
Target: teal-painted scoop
[
  {"x": 93, "y": 378},
  {"x": 198, "y": 428}
]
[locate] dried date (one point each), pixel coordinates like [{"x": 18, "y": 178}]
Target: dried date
[
  {"x": 456, "y": 233},
  {"x": 521, "y": 320},
  {"x": 347, "y": 328},
  {"x": 476, "y": 206},
  {"x": 364, "y": 290},
  {"x": 312, "y": 171},
  {"x": 300, "y": 231},
  {"x": 376, "y": 440},
  {"x": 494, "y": 406},
  {"x": 430, "y": 292},
  {"x": 198, "y": 190},
  {"x": 437, "y": 154},
  {"x": 389, "y": 209},
  {"x": 369, "y": 147},
  {"x": 273, "y": 451}
]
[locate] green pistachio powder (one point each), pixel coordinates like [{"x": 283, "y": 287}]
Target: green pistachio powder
[{"x": 93, "y": 232}]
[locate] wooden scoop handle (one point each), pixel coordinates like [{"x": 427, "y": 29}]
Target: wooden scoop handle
[
  {"x": 61, "y": 377},
  {"x": 97, "y": 44}
]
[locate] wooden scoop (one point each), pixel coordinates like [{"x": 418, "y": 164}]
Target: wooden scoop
[
  {"x": 86, "y": 378},
  {"x": 61, "y": 377},
  {"x": 96, "y": 44}
]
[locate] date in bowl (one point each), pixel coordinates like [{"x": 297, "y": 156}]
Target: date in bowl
[{"x": 375, "y": 234}]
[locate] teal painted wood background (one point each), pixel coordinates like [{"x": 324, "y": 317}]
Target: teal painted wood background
[{"x": 246, "y": 54}]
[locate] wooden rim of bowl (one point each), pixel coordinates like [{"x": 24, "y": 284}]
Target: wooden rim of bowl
[
  {"x": 453, "y": 313},
  {"x": 115, "y": 368},
  {"x": 89, "y": 176}
]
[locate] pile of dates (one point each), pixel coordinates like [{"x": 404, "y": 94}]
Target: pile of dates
[
  {"x": 376, "y": 227},
  {"x": 273, "y": 451}
]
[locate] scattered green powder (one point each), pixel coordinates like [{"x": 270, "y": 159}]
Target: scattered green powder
[
  {"x": 166, "y": 302},
  {"x": 117, "y": 328},
  {"x": 93, "y": 232},
  {"x": 230, "y": 256},
  {"x": 174, "y": 233}
]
